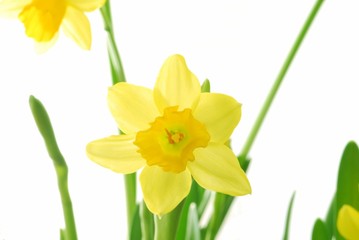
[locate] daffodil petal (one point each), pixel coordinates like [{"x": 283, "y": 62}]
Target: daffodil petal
[
  {"x": 163, "y": 191},
  {"x": 87, "y": 5},
  {"x": 132, "y": 107},
  {"x": 42, "y": 47},
  {"x": 12, "y": 8},
  {"x": 176, "y": 85},
  {"x": 348, "y": 222},
  {"x": 219, "y": 113},
  {"x": 216, "y": 168},
  {"x": 116, "y": 153},
  {"x": 77, "y": 27}
]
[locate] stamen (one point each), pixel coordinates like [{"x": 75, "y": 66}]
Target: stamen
[{"x": 174, "y": 137}]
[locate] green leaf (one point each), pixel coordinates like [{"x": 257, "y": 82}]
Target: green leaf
[
  {"x": 45, "y": 128},
  {"x": 193, "y": 230},
  {"x": 195, "y": 196},
  {"x": 222, "y": 203},
  {"x": 206, "y": 86},
  {"x": 287, "y": 222},
  {"x": 330, "y": 220},
  {"x": 136, "y": 233},
  {"x": 320, "y": 231},
  {"x": 62, "y": 234},
  {"x": 244, "y": 162},
  {"x": 348, "y": 179}
]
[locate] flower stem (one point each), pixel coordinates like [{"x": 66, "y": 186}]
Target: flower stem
[
  {"x": 130, "y": 187},
  {"x": 118, "y": 75},
  {"x": 166, "y": 226},
  {"x": 280, "y": 77},
  {"x": 44, "y": 125},
  {"x": 215, "y": 224}
]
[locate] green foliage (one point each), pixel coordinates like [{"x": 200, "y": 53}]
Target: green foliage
[
  {"x": 287, "y": 222},
  {"x": 348, "y": 179},
  {"x": 347, "y": 192},
  {"x": 45, "y": 128},
  {"x": 147, "y": 222},
  {"x": 320, "y": 231},
  {"x": 200, "y": 197},
  {"x": 136, "y": 233},
  {"x": 193, "y": 230},
  {"x": 206, "y": 86},
  {"x": 117, "y": 71}
]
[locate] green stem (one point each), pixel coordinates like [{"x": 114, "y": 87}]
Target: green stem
[
  {"x": 280, "y": 77},
  {"x": 214, "y": 225},
  {"x": 130, "y": 187},
  {"x": 44, "y": 125},
  {"x": 166, "y": 226},
  {"x": 147, "y": 223},
  {"x": 118, "y": 75}
]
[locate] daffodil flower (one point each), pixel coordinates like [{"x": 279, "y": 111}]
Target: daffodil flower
[
  {"x": 174, "y": 133},
  {"x": 348, "y": 222},
  {"x": 42, "y": 19}
]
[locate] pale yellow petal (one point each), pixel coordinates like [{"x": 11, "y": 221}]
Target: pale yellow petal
[
  {"x": 86, "y": 5},
  {"x": 216, "y": 168},
  {"x": 11, "y": 8},
  {"x": 219, "y": 113},
  {"x": 77, "y": 27},
  {"x": 163, "y": 191},
  {"x": 42, "y": 47},
  {"x": 116, "y": 153},
  {"x": 348, "y": 222},
  {"x": 176, "y": 85},
  {"x": 132, "y": 107}
]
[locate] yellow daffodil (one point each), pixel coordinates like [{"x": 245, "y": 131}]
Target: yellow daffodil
[
  {"x": 173, "y": 132},
  {"x": 348, "y": 222},
  {"x": 42, "y": 19}
]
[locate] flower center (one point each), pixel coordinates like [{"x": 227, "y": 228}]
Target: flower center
[
  {"x": 42, "y": 18},
  {"x": 170, "y": 141}
]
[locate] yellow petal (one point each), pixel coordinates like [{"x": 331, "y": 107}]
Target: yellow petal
[
  {"x": 87, "y": 5},
  {"x": 116, "y": 153},
  {"x": 42, "y": 47},
  {"x": 176, "y": 85},
  {"x": 163, "y": 191},
  {"x": 77, "y": 27},
  {"x": 42, "y": 19},
  {"x": 132, "y": 107},
  {"x": 219, "y": 113},
  {"x": 216, "y": 168},
  {"x": 11, "y": 8},
  {"x": 348, "y": 222}
]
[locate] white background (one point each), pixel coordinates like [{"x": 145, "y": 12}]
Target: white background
[{"x": 240, "y": 46}]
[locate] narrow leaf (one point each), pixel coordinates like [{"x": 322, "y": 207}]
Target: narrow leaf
[
  {"x": 320, "y": 231},
  {"x": 45, "y": 128},
  {"x": 193, "y": 229},
  {"x": 287, "y": 222}
]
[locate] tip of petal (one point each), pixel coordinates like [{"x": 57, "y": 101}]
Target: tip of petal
[{"x": 176, "y": 59}]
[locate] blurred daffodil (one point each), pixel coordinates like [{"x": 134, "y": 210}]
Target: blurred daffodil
[
  {"x": 42, "y": 19},
  {"x": 174, "y": 132},
  {"x": 348, "y": 222}
]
